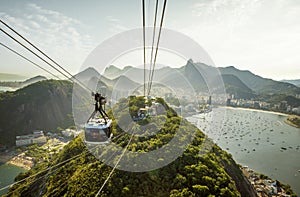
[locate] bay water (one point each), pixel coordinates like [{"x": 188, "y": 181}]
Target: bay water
[
  {"x": 7, "y": 175},
  {"x": 258, "y": 139}
]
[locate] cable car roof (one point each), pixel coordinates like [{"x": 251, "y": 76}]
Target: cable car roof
[{"x": 98, "y": 123}]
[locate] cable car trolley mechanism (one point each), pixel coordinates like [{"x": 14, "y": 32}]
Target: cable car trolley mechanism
[{"x": 98, "y": 130}]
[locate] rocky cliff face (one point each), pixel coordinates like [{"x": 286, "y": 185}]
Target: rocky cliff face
[
  {"x": 242, "y": 183},
  {"x": 44, "y": 105}
]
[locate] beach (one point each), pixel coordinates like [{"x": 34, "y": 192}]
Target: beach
[
  {"x": 257, "y": 110},
  {"x": 20, "y": 160}
]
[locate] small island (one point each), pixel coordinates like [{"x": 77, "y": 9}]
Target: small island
[{"x": 293, "y": 120}]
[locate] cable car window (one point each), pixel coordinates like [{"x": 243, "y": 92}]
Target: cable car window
[{"x": 95, "y": 135}]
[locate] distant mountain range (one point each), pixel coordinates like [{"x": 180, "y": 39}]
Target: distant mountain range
[
  {"x": 243, "y": 84},
  {"x": 20, "y": 84},
  {"x": 240, "y": 83},
  {"x": 296, "y": 82},
  {"x": 259, "y": 84},
  {"x": 11, "y": 77}
]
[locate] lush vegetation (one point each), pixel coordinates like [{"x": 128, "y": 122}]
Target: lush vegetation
[{"x": 192, "y": 174}]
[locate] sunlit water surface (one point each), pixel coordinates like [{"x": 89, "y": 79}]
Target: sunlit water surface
[{"x": 257, "y": 139}]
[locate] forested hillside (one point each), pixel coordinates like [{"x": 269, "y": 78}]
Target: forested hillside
[
  {"x": 197, "y": 172},
  {"x": 42, "y": 105},
  {"x": 259, "y": 84}
]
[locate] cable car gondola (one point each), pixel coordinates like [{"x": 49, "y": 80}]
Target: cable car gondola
[{"x": 98, "y": 130}]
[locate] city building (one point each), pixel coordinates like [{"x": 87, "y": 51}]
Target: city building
[
  {"x": 228, "y": 102},
  {"x": 209, "y": 100},
  {"x": 283, "y": 105},
  {"x": 70, "y": 133},
  {"x": 37, "y": 137},
  {"x": 256, "y": 105}
]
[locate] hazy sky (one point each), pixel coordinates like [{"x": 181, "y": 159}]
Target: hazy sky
[{"x": 262, "y": 36}]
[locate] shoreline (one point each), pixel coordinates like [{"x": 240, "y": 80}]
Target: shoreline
[
  {"x": 19, "y": 160},
  {"x": 292, "y": 118},
  {"x": 287, "y": 121},
  {"x": 5, "y": 158},
  {"x": 291, "y": 123},
  {"x": 25, "y": 166},
  {"x": 257, "y": 110},
  {"x": 265, "y": 185}
]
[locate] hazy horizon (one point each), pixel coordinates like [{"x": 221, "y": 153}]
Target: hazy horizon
[
  {"x": 20, "y": 77},
  {"x": 260, "y": 36}
]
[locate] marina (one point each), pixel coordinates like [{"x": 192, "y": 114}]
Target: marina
[{"x": 257, "y": 139}]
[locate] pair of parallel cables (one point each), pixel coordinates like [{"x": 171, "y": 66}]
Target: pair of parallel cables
[
  {"x": 72, "y": 78},
  {"x": 147, "y": 90},
  {"x": 60, "y": 68}
]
